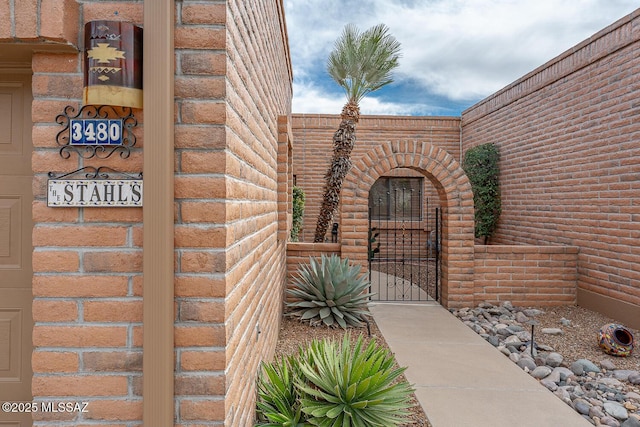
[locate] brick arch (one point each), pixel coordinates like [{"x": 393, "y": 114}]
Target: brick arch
[{"x": 456, "y": 200}]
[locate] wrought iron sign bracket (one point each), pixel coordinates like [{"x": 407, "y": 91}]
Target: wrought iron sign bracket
[
  {"x": 96, "y": 131},
  {"x": 91, "y": 172}
]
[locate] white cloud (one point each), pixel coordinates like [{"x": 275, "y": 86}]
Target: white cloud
[
  {"x": 311, "y": 99},
  {"x": 458, "y": 49}
]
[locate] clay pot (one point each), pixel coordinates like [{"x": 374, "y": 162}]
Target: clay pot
[{"x": 616, "y": 340}]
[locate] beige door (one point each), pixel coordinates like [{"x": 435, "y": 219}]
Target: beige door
[{"x": 15, "y": 243}]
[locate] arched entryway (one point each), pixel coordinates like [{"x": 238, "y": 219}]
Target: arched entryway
[{"x": 456, "y": 201}]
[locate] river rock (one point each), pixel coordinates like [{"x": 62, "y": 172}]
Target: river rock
[
  {"x": 582, "y": 406},
  {"x": 631, "y": 422},
  {"x": 633, "y": 396},
  {"x": 554, "y": 359},
  {"x": 541, "y": 372},
  {"x": 527, "y": 362},
  {"x": 587, "y": 365},
  {"x": 609, "y": 421},
  {"x": 552, "y": 331},
  {"x": 623, "y": 374},
  {"x": 634, "y": 378},
  {"x": 616, "y": 410},
  {"x": 521, "y": 317},
  {"x": 532, "y": 312}
]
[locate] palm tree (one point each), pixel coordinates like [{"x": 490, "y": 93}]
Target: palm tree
[{"x": 360, "y": 63}]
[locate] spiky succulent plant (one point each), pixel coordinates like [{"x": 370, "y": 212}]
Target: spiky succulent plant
[
  {"x": 352, "y": 385},
  {"x": 331, "y": 292}
]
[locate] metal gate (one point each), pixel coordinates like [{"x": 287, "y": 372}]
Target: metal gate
[{"x": 404, "y": 246}]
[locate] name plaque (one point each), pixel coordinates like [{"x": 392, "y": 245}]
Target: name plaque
[{"x": 94, "y": 193}]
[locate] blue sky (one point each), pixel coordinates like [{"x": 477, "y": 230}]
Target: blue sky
[{"x": 455, "y": 52}]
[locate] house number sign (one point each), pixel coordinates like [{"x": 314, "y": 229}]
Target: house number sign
[{"x": 96, "y": 131}]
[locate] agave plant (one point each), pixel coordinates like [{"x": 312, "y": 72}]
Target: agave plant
[
  {"x": 331, "y": 292},
  {"x": 278, "y": 403},
  {"x": 352, "y": 386}
]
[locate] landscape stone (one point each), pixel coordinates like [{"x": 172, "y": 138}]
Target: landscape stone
[
  {"x": 603, "y": 397},
  {"x": 532, "y": 312},
  {"x": 616, "y": 410},
  {"x": 596, "y": 411},
  {"x": 577, "y": 368},
  {"x": 634, "y": 378},
  {"x": 549, "y": 384},
  {"x": 609, "y": 421},
  {"x": 527, "y": 362},
  {"x": 552, "y": 331},
  {"x": 582, "y": 406},
  {"x": 588, "y": 365},
  {"x": 631, "y": 422},
  {"x": 623, "y": 374},
  {"x": 633, "y": 396},
  {"x": 541, "y": 372},
  {"x": 554, "y": 359}
]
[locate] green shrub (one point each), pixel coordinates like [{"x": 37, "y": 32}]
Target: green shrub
[
  {"x": 481, "y": 166},
  {"x": 278, "y": 402},
  {"x": 298, "y": 212},
  {"x": 352, "y": 386},
  {"x": 331, "y": 292},
  {"x": 333, "y": 385}
]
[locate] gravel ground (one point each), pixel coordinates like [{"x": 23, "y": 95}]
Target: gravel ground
[
  {"x": 579, "y": 340},
  {"x": 293, "y": 334}
]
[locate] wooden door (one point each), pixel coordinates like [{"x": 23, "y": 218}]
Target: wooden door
[{"x": 16, "y": 322}]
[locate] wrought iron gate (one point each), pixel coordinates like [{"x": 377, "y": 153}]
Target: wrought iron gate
[{"x": 404, "y": 246}]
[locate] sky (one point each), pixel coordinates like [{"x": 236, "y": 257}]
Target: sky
[{"x": 454, "y": 52}]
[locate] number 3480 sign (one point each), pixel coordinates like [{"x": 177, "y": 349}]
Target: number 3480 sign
[{"x": 96, "y": 131}]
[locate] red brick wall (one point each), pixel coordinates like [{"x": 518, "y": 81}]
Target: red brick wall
[
  {"x": 568, "y": 138},
  {"x": 526, "y": 275},
  {"x": 313, "y": 147}
]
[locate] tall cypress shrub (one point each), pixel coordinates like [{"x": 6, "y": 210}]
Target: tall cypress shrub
[
  {"x": 298, "y": 213},
  {"x": 481, "y": 166}
]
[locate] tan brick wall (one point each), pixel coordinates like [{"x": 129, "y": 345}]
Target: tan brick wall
[
  {"x": 568, "y": 137},
  {"x": 233, "y": 94},
  {"x": 21, "y": 21},
  {"x": 526, "y": 275},
  {"x": 312, "y": 150},
  {"x": 258, "y": 98},
  {"x": 87, "y": 263},
  {"x": 298, "y": 254}
]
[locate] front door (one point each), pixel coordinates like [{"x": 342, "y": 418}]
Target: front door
[{"x": 15, "y": 244}]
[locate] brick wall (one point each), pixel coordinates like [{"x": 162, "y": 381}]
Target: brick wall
[
  {"x": 313, "y": 148},
  {"x": 258, "y": 94},
  {"x": 20, "y": 21},
  {"x": 298, "y": 253},
  {"x": 525, "y": 275},
  {"x": 233, "y": 91},
  {"x": 568, "y": 138},
  {"x": 87, "y": 283},
  {"x": 201, "y": 237}
]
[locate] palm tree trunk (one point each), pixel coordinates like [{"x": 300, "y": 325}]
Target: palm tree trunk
[{"x": 343, "y": 141}]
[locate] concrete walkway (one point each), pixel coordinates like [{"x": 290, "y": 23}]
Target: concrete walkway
[{"x": 460, "y": 379}]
